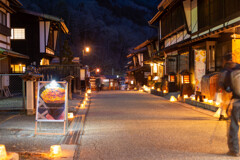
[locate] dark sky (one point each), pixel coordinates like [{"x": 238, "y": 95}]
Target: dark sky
[{"x": 109, "y": 27}]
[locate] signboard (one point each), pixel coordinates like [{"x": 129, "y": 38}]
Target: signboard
[
  {"x": 200, "y": 67},
  {"x": 236, "y": 50},
  {"x": 82, "y": 74},
  {"x": 52, "y": 101}
]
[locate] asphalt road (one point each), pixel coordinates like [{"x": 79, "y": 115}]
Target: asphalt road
[{"x": 125, "y": 125}]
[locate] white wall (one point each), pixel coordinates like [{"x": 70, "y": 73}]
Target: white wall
[
  {"x": 194, "y": 16},
  {"x": 187, "y": 11},
  {"x": 47, "y": 25}
]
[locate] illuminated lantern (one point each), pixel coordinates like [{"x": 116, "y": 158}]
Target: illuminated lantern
[
  {"x": 193, "y": 98},
  {"x": 70, "y": 115},
  {"x": 152, "y": 87},
  {"x": 82, "y": 106},
  {"x": 185, "y": 96},
  {"x": 205, "y": 100},
  {"x": 164, "y": 91},
  {"x": 173, "y": 99},
  {"x": 172, "y": 82},
  {"x": 198, "y": 99},
  {"x": 89, "y": 91},
  {"x": 86, "y": 94},
  {"x": 140, "y": 90},
  {"x": 185, "y": 81},
  {"x": 217, "y": 104},
  {"x": 171, "y": 78},
  {"x": 55, "y": 151},
  {"x": 3, "y": 153},
  {"x": 86, "y": 99},
  {"x": 210, "y": 101},
  {"x": 178, "y": 96},
  {"x": 132, "y": 82},
  {"x": 158, "y": 89}
]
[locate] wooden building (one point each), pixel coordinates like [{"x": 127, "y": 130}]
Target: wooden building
[
  {"x": 194, "y": 35},
  {"x": 37, "y": 35},
  {"x": 7, "y": 55},
  {"x": 139, "y": 72}
]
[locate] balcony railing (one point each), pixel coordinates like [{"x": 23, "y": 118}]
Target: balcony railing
[{"x": 4, "y": 30}]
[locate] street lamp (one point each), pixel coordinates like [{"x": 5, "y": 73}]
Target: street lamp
[
  {"x": 97, "y": 70},
  {"x": 85, "y": 50}
]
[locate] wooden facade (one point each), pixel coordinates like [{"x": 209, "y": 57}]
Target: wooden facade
[
  {"x": 7, "y": 55},
  {"x": 208, "y": 28},
  {"x": 42, "y": 35}
]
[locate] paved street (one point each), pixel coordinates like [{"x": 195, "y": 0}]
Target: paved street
[{"x": 139, "y": 126}]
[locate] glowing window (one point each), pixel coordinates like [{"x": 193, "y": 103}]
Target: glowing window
[
  {"x": 18, "y": 33},
  {"x": 44, "y": 61},
  {"x": 18, "y": 68},
  {"x": 155, "y": 68}
]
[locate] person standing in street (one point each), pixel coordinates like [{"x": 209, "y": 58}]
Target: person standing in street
[
  {"x": 224, "y": 95},
  {"x": 232, "y": 84}
]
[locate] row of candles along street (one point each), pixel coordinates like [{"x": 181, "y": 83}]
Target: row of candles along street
[
  {"x": 55, "y": 150},
  {"x": 192, "y": 97},
  {"x": 82, "y": 105}
]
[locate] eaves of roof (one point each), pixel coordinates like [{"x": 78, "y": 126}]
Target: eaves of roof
[{"x": 48, "y": 17}]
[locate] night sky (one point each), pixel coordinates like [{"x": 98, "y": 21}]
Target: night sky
[{"x": 109, "y": 27}]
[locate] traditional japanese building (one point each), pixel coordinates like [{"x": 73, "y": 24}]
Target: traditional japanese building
[
  {"x": 8, "y": 56},
  {"x": 193, "y": 37},
  {"x": 138, "y": 72},
  {"x": 37, "y": 35}
]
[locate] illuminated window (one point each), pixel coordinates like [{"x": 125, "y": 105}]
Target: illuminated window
[
  {"x": 18, "y": 33},
  {"x": 185, "y": 79},
  {"x": 44, "y": 61},
  {"x": 18, "y": 68},
  {"x": 155, "y": 68}
]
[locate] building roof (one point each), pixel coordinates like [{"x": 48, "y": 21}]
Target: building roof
[
  {"x": 16, "y": 2},
  {"x": 47, "y": 17},
  {"x": 161, "y": 7}
]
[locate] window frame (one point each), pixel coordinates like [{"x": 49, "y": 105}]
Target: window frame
[{"x": 14, "y": 38}]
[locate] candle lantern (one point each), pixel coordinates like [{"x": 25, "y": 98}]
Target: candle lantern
[
  {"x": 186, "y": 88},
  {"x": 172, "y": 82}
]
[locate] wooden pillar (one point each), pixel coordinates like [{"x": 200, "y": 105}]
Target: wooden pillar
[{"x": 30, "y": 98}]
